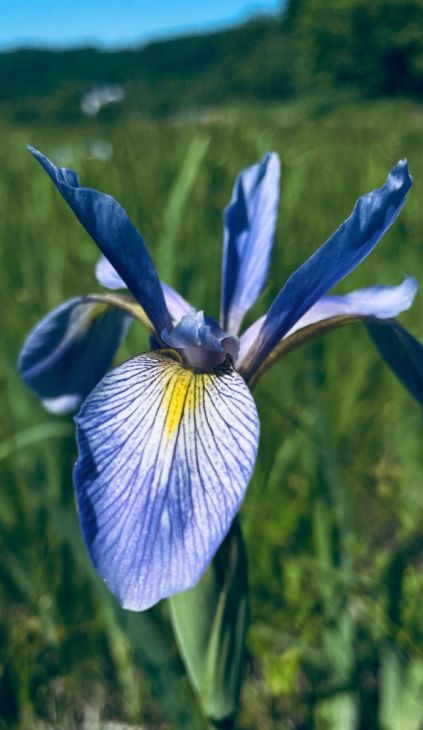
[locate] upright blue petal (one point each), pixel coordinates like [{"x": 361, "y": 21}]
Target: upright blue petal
[
  {"x": 121, "y": 243},
  {"x": 165, "y": 456},
  {"x": 402, "y": 352},
  {"x": 176, "y": 304},
  {"x": 70, "y": 350},
  {"x": 373, "y": 214},
  {"x": 375, "y": 301},
  {"x": 250, "y": 222}
]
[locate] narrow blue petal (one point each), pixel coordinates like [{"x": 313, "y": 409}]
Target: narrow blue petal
[
  {"x": 402, "y": 352},
  {"x": 62, "y": 404},
  {"x": 380, "y": 301},
  {"x": 70, "y": 350},
  {"x": 373, "y": 214},
  {"x": 250, "y": 222},
  {"x": 383, "y": 302},
  {"x": 107, "y": 276},
  {"x": 165, "y": 456},
  {"x": 176, "y": 304},
  {"x": 109, "y": 226},
  {"x": 248, "y": 340}
]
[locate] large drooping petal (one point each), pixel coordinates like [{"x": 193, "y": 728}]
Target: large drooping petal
[
  {"x": 165, "y": 456},
  {"x": 118, "y": 239},
  {"x": 70, "y": 350},
  {"x": 402, "y": 352},
  {"x": 375, "y": 301},
  {"x": 250, "y": 222},
  {"x": 176, "y": 304},
  {"x": 373, "y": 214}
]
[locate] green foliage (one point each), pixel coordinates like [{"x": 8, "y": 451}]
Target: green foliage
[
  {"x": 333, "y": 516},
  {"x": 210, "y": 623},
  {"x": 375, "y": 47},
  {"x": 161, "y": 79}
]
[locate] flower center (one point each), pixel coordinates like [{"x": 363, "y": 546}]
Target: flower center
[{"x": 200, "y": 341}]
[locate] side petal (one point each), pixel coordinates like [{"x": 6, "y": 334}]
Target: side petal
[
  {"x": 402, "y": 352},
  {"x": 377, "y": 301},
  {"x": 70, "y": 350},
  {"x": 247, "y": 341},
  {"x": 165, "y": 456},
  {"x": 118, "y": 239},
  {"x": 176, "y": 304},
  {"x": 107, "y": 276},
  {"x": 373, "y": 214},
  {"x": 249, "y": 227}
]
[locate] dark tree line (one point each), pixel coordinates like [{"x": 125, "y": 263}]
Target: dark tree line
[{"x": 376, "y": 46}]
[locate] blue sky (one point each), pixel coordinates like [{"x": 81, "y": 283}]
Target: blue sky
[{"x": 118, "y": 23}]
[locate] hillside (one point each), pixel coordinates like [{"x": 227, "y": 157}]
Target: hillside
[
  {"x": 158, "y": 79},
  {"x": 314, "y": 47}
]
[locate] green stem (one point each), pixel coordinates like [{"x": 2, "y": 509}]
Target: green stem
[{"x": 227, "y": 724}]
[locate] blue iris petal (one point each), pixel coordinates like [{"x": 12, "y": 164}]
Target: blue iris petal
[
  {"x": 402, "y": 352},
  {"x": 107, "y": 276},
  {"x": 109, "y": 226},
  {"x": 375, "y": 301},
  {"x": 165, "y": 456},
  {"x": 70, "y": 350},
  {"x": 250, "y": 222},
  {"x": 342, "y": 252}
]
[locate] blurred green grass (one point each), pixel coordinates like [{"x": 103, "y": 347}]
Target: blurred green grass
[{"x": 333, "y": 515}]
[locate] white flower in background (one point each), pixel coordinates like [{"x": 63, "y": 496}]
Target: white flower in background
[{"x": 100, "y": 96}]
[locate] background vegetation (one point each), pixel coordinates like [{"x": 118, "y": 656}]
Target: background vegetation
[
  {"x": 333, "y": 515},
  {"x": 347, "y": 47}
]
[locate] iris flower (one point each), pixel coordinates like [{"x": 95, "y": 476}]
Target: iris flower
[{"x": 168, "y": 440}]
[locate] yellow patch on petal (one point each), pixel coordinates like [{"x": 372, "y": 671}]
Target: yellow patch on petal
[
  {"x": 183, "y": 390},
  {"x": 98, "y": 310},
  {"x": 176, "y": 397},
  {"x": 83, "y": 317}
]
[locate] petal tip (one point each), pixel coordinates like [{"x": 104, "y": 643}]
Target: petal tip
[
  {"x": 35, "y": 153},
  {"x": 411, "y": 286},
  {"x": 401, "y": 172},
  {"x": 272, "y": 157}
]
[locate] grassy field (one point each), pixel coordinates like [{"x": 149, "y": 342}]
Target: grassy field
[{"x": 333, "y": 516}]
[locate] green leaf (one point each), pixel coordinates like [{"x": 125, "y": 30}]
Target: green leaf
[
  {"x": 173, "y": 215},
  {"x": 210, "y": 623}
]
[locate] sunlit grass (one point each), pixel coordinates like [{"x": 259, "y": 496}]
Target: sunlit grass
[{"x": 334, "y": 511}]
